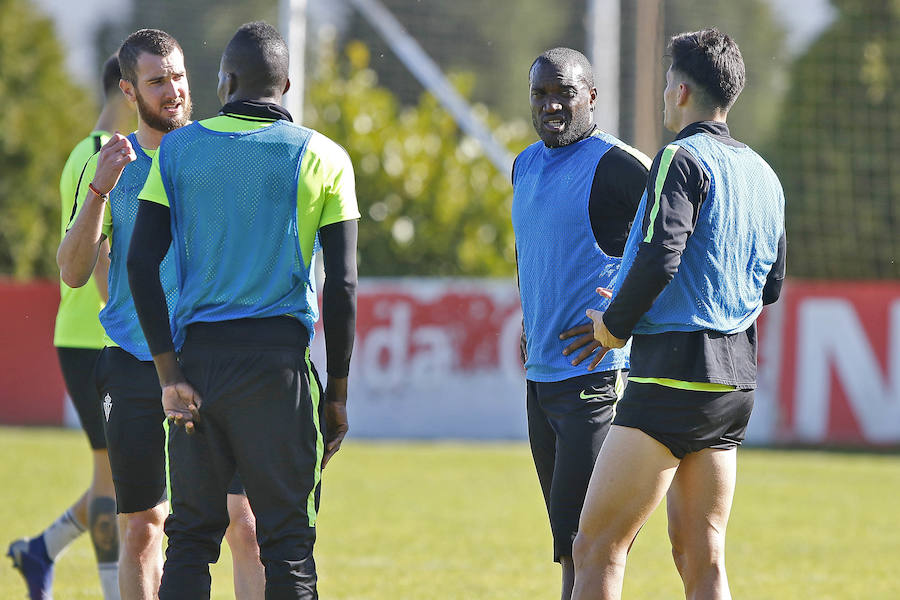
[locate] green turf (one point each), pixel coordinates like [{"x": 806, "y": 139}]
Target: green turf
[{"x": 466, "y": 521}]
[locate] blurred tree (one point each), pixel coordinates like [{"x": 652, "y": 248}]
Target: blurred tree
[
  {"x": 838, "y": 136},
  {"x": 432, "y": 204},
  {"x": 44, "y": 115},
  {"x": 495, "y": 41}
]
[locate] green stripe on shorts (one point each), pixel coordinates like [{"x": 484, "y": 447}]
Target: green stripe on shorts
[
  {"x": 168, "y": 471},
  {"x": 696, "y": 386},
  {"x": 320, "y": 442},
  {"x": 619, "y": 386}
]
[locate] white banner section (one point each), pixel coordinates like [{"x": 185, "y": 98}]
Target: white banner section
[{"x": 435, "y": 358}]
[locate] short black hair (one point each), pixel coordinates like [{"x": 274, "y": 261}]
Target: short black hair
[
  {"x": 713, "y": 61},
  {"x": 151, "y": 41},
  {"x": 567, "y": 56},
  {"x": 259, "y": 56},
  {"x": 111, "y": 76}
]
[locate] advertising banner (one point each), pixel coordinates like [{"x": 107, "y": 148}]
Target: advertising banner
[{"x": 439, "y": 358}]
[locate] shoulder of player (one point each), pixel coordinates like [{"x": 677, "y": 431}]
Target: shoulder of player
[
  {"x": 676, "y": 158},
  {"x": 621, "y": 158},
  {"x": 530, "y": 149},
  {"x": 522, "y": 158},
  {"x": 602, "y": 140},
  {"x": 80, "y": 154},
  {"x": 324, "y": 150}
]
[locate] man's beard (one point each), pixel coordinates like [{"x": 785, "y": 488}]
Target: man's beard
[
  {"x": 164, "y": 124},
  {"x": 580, "y": 124}
]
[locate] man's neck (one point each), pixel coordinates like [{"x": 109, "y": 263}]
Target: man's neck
[
  {"x": 242, "y": 97},
  {"x": 147, "y": 137},
  {"x": 698, "y": 116}
]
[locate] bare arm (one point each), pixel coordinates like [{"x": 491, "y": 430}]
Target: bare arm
[
  {"x": 80, "y": 247},
  {"x": 101, "y": 271}
]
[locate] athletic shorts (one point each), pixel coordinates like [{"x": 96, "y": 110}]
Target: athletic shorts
[
  {"x": 77, "y": 365},
  {"x": 567, "y": 422},
  {"x": 135, "y": 430},
  {"x": 686, "y": 420}
]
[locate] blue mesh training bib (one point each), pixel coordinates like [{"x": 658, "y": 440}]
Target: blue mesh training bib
[
  {"x": 119, "y": 317},
  {"x": 727, "y": 258},
  {"x": 560, "y": 263},
  {"x": 233, "y": 200}
]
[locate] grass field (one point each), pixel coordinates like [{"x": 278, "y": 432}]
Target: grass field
[{"x": 465, "y": 521}]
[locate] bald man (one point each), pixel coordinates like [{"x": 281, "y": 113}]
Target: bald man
[{"x": 575, "y": 192}]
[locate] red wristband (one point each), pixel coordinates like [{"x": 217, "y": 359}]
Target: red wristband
[{"x": 96, "y": 191}]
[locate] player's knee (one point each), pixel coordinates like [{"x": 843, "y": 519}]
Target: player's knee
[
  {"x": 592, "y": 550},
  {"x": 241, "y": 538},
  {"x": 142, "y": 531},
  {"x": 701, "y": 560}
]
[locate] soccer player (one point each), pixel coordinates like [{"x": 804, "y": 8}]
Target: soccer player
[
  {"x": 154, "y": 79},
  {"x": 705, "y": 254},
  {"x": 575, "y": 195},
  {"x": 78, "y": 339},
  {"x": 243, "y": 197}
]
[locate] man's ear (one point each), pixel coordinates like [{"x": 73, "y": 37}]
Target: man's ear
[
  {"x": 684, "y": 93},
  {"x": 231, "y": 83},
  {"x": 128, "y": 89},
  {"x": 287, "y": 86}
]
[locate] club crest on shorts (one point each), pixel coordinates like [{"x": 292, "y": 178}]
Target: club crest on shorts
[{"x": 107, "y": 406}]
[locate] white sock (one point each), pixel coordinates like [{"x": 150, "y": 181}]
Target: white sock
[
  {"x": 61, "y": 533},
  {"x": 109, "y": 580}
]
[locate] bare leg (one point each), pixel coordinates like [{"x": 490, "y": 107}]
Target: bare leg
[
  {"x": 632, "y": 474},
  {"x": 249, "y": 575},
  {"x": 698, "y": 505},
  {"x": 141, "y": 561},
  {"x": 100, "y": 513},
  {"x": 568, "y": 576}
]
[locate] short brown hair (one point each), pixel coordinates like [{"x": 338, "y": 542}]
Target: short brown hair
[{"x": 151, "y": 41}]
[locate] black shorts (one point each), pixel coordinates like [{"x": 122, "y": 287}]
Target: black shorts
[
  {"x": 135, "y": 430},
  {"x": 686, "y": 420},
  {"x": 77, "y": 365},
  {"x": 567, "y": 422}
]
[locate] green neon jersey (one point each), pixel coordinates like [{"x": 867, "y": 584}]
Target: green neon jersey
[{"x": 77, "y": 325}]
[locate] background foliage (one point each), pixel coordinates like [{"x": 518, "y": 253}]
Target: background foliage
[
  {"x": 836, "y": 147},
  {"x": 44, "y": 115},
  {"x": 432, "y": 203},
  {"x": 827, "y": 120}
]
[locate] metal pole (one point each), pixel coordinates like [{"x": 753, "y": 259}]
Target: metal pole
[
  {"x": 648, "y": 75},
  {"x": 429, "y": 75},
  {"x": 292, "y": 22},
  {"x": 603, "y": 23}
]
